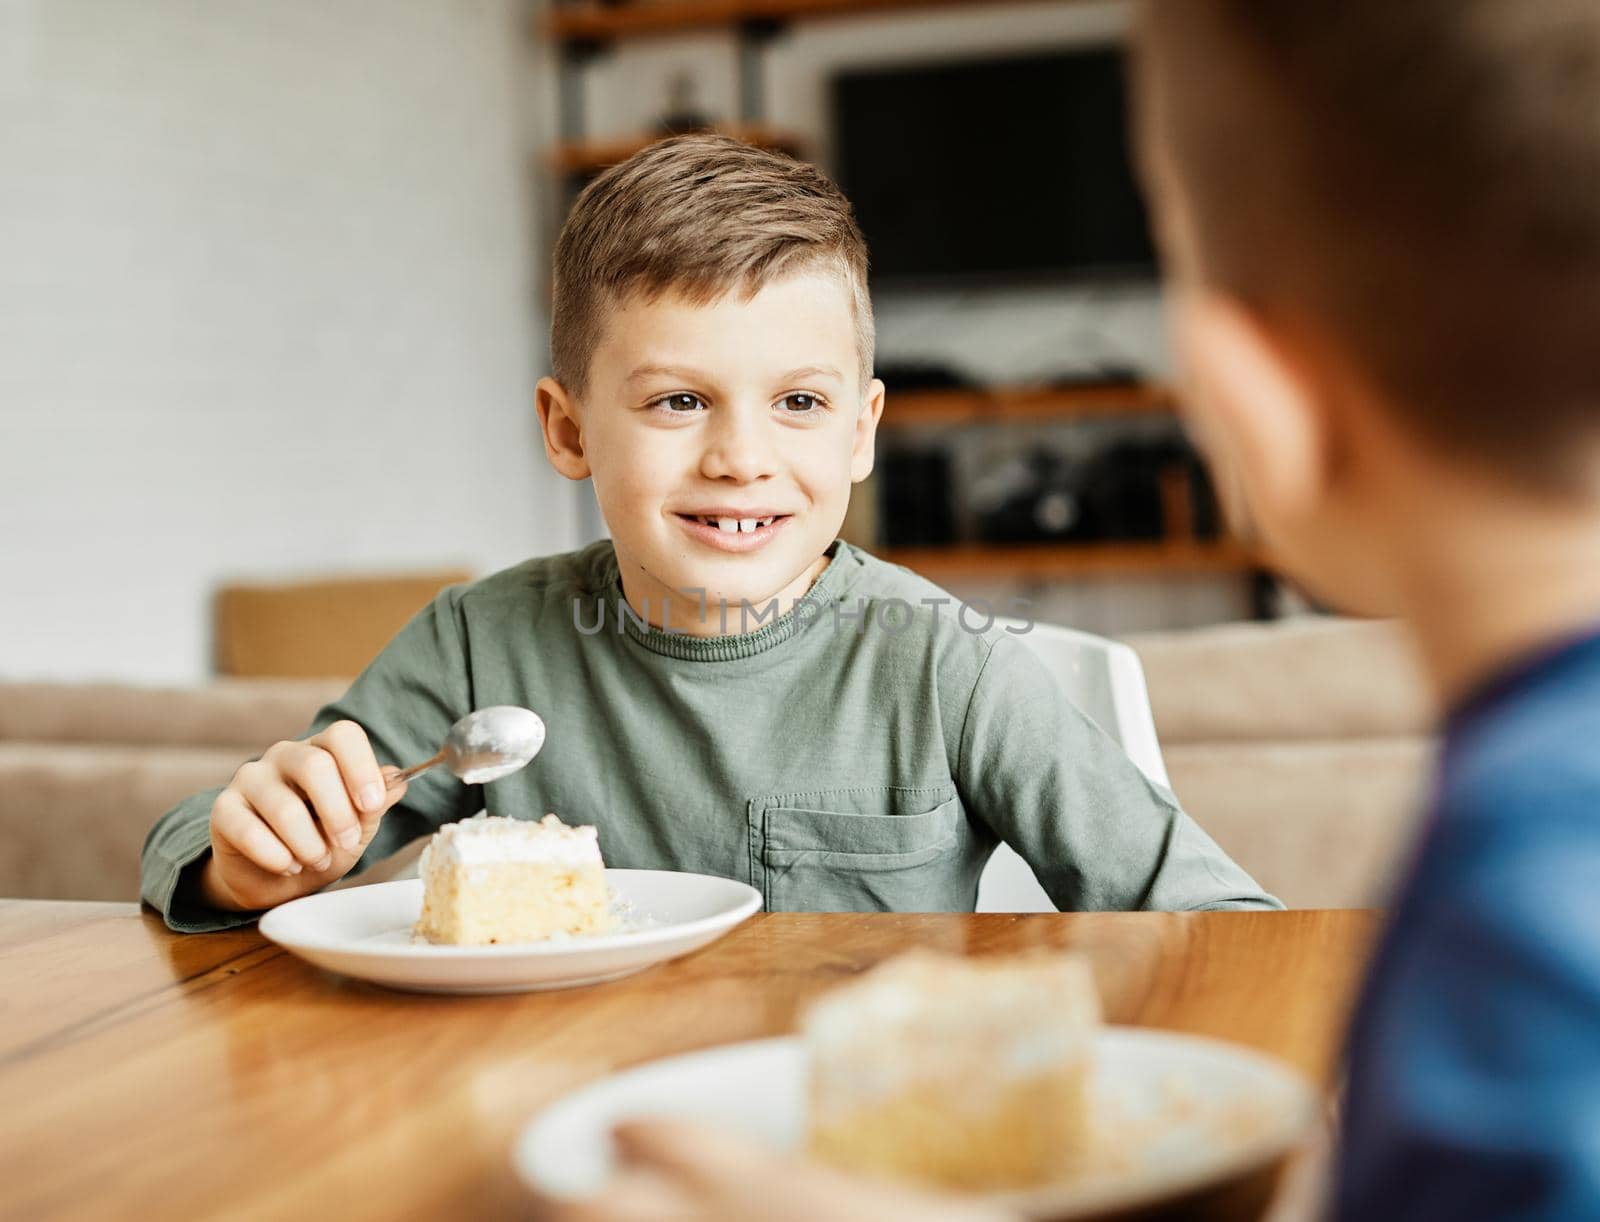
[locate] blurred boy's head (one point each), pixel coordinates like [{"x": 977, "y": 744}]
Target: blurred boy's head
[
  {"x": 711, "y": 341},
  {"x": 1382, "y": 226}
]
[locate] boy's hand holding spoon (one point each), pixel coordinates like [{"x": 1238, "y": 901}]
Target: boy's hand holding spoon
[{"x": 300, "y": 817}]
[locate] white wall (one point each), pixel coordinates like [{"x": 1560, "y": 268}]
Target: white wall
[{"x": 268, "y": 307}]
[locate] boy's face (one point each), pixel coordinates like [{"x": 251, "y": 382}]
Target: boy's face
[{"x": 702, "y": 421}]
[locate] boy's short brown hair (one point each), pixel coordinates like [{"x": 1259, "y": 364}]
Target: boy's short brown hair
[
  {"x": 1421, "y": 178},
  {"x": 697, "y": 216}
]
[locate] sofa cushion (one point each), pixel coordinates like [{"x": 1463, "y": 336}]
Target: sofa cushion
[
  {"x": 1306, "y": 678},
  {"x": 1321, "y": 823},
  {"x": 86, "y": 769},
  {"x": 74, "y": 816},
  {"x": 246, "y": 715}
]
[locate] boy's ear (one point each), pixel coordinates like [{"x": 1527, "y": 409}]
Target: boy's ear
[
  {"x": 563, "y": 433},
  {"x": 1258, "y": 408},
  {"x": 863, "y": 448}
]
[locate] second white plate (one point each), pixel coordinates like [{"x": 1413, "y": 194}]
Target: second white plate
[
  {"x": 365, "y": 932},
  {"x": 1174, "y": 1114}
]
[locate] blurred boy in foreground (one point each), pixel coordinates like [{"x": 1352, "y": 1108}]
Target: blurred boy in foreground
[{"x": 1381, "y": 224}]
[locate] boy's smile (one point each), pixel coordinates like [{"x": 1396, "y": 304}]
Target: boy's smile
[
  {"x": 723, "y": 439},
  {"x": 732, "y": 529}
]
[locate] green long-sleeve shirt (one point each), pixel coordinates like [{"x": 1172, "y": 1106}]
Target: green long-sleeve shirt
[{"x": 857, "y": 753}]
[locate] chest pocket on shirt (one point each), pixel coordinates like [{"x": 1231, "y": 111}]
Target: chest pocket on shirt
[{"x": 887, "y": 849}]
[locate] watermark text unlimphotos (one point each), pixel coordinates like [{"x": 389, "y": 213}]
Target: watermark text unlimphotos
[{"x": 891, "y": 615}]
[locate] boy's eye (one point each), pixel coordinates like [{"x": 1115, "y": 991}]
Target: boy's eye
[
  {"x": 800, "y": 403},
  {"x": 680, "y": 402}
]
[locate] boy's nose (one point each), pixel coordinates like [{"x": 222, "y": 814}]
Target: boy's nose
[{"x": 737, "y": 449}]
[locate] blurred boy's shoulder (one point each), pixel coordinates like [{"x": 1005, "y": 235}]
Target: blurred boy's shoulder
[
  {"x": 1518, "y": 796},
  {"x": 1531, "y": 730}
]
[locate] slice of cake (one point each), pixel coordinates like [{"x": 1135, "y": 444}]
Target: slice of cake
[
  {"x": 491, "y": 879},
  {"x": 963, "y": 1073}
]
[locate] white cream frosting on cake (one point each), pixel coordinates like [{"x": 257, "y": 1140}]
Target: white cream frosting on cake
[{"x": 488, "y": 838}]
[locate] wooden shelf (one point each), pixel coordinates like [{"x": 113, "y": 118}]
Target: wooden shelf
[
  {"x": 996, "y": 406},
  {"x": 595, "y": 22},
  {"x": 1000, "y": 561},
  {"x": 592, "y": 156}
]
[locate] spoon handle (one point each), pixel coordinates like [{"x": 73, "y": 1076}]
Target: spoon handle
[{"x": 399, "y": 778}]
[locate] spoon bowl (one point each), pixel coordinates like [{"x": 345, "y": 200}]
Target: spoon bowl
[{"x": 485, "y": 745}]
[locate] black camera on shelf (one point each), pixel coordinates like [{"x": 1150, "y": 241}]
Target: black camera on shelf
[
  {"x": 1129, "y": 491},
  {"x": 1142, "y": 490},
  {"x": 1030, "y": 497}
]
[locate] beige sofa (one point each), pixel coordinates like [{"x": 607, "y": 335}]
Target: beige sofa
[
  {"x": 1304, "y": 747},
  {"x": 1301, "y": 746}
]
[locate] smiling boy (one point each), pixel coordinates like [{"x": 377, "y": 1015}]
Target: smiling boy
[{"x": 729, "y": 688}]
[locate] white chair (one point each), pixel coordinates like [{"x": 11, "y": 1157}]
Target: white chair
[{"x": 1105, "y": 680}]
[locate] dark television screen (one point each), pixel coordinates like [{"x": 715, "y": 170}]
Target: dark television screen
[{"x": 993, "y": 169}]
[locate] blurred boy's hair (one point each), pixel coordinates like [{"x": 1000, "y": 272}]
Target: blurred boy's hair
[
  {"x": 1422, "y": 179},
  {"x": 697, "y": 216}
]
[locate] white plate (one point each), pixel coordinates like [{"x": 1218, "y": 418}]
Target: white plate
[
  {"x": 1175, "y": 1113},
  {"x": 365, "y": 932}
]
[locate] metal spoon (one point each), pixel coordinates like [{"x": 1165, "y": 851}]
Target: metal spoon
[{"x": 485, "y": 745}]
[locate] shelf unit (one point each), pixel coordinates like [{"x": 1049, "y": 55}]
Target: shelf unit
[
  {"x": 585, "y": 29},
  {"x": 1181, "y": 553},
  {"x": 1015, "y": 404},
  {"x": 599, "y": 23}
]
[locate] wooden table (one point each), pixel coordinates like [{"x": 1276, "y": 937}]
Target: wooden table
[{"x": 144, "y": 1073}]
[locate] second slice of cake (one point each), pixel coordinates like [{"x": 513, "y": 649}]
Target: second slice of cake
[
  {"x": 491, "y": 879},
  {"x": 964, "y": 1073}
]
